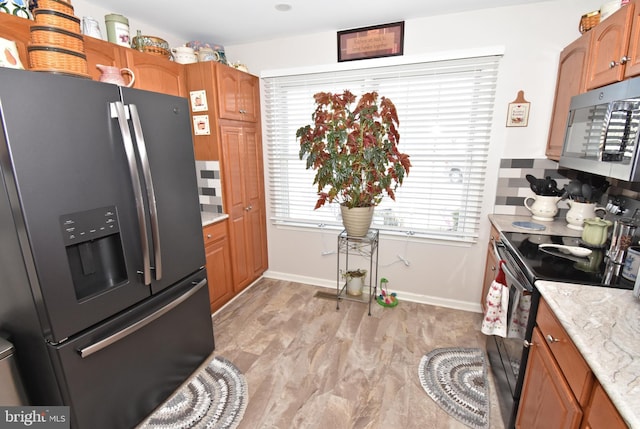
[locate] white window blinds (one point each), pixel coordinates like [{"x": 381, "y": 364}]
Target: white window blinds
[{"x": 445, "y": 110}]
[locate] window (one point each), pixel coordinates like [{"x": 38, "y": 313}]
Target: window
[{"x": 445, "y": 110}]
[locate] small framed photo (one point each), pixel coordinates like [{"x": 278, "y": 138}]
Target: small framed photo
[
  {"x": 371, "y": 42},
  {"x": 201, "y": 125},
  {"x": 199, "y": 101},
  {"x": 518, "y": 112}
]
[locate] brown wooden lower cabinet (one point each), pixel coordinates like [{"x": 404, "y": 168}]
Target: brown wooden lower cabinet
[
  {"x": 219, "y": 271},
  {"x": 559, "y": 390},
  {"x": 547, "y": 401}
]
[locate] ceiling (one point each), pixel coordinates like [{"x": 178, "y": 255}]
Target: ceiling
[{"x": 244, "y": 21}]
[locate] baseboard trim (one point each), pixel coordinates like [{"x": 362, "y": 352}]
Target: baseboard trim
[{"x": 403, "y": 296}]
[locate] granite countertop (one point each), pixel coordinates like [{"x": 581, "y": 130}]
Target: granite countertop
[
  {"x": 604, "y": 324},
  {"x": 209, "y": 218},
  {"x": 557, "y": 227}
]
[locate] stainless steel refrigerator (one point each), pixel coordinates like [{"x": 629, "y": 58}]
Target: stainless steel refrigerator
[{"x": 103, "y": 288}]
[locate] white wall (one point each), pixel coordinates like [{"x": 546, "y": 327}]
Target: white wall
[{"x": 440, "y": 273}]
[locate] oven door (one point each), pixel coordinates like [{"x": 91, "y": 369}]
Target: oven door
[{"x": 508, "y": 355}]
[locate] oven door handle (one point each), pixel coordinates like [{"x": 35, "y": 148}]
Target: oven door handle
[{"x": 508, "y": 272}]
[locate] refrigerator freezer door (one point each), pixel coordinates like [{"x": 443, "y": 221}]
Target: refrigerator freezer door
[
  {"x": 136, "y": 361},
  {"x": 162, "y": 132},
  {"x": 63, "y": 161}
]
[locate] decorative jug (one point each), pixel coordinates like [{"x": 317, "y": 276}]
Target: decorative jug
[
  {"x": 595, "y": 231},
  {"x": 184, "y": 55},
  {"x": 544, "y": 208},
  {"x": 578, "y": 212},
  {"x": 113, "y": 75}
]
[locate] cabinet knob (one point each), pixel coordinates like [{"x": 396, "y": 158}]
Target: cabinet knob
[
  {"x": 624, "y": 60},
  {"x": 249, "y": 207},
  {"x": 528, "y": 344},
  {"x": 612, "y": 64},
  {"x": 550, "y": 339},
  {"x": 208, "y": 235}
]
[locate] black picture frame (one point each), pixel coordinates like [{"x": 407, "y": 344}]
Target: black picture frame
[{"x": 386, "y": 40}]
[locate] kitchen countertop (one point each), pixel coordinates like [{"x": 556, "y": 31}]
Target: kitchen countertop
[
  {"x": 604, "y": 324},
  {"x": 557, "y": 227},
  {"x": 209, "y": 218}
]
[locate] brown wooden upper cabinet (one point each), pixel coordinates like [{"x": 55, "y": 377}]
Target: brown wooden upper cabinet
[
  {"x": 152, "y": 72},
  {"x": 572, "y": 72},
  {"x": 609, "y": 53},
  {"x": 238, "y": 95}
]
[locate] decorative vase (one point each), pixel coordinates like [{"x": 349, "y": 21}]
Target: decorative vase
[
  {"x": 544, "y": 208},
  {"x": 578, "y": 212},
  {"x": 356, "y": 220}
]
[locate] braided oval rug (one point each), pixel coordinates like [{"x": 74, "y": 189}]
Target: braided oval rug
[
  {"x": 215, "y": 397},
  {"x": 456, "y": 379}
]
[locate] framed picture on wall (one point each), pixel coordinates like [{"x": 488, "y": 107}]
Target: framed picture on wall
[{"x": 371, "y": 42}]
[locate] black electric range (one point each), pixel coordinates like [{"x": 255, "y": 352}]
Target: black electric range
[{"x": 554, "y": 265}]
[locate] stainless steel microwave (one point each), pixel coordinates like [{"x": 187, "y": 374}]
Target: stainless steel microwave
[{"x": 602, "y": 132}]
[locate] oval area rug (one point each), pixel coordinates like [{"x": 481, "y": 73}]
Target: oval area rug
[
  {"x": 214, "y": 397},
  {"x": 456, "y": 379}
]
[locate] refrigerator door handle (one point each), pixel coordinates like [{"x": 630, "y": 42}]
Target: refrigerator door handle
[
  {"x": 151, "y": 194},
  {"x": 119, "y": 111},
  {"x": 106, "y": 342}
]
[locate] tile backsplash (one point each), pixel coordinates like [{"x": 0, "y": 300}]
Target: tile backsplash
[
  {"x": 513, "y": 187},
  {"x": 209, "y": 186}
]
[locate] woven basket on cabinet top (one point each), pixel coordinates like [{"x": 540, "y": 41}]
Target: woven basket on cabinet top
[
  {"x": 57, "y": 19},
  {"x": 588, "y": 21},
  {"x": 48, "y": 35},
  {"x": 58, "y": 5},
  {"x": 55, "y": 59}
]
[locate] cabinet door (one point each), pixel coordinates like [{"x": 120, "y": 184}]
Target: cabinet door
[
  {"x": 254, "y": 194},
  {"x": 572, "y": 71},
  {"x": 156, "y": 73},
  {"x": 228, "y": 100},
  {"x": 602, "y": 414},
  {"x": 243, "y": 199},
  {"x": 17, "y": 29},
  {"x": 547, "y": 400},
  {"x": 218, "y": 264},
  {"x": 238, "y": 94},
  {"x": 234, "y": 171},
  {"x": 105, "y": 53},
  {"x": 249, "y": 97},
  {"x": 632, "y": 67},
  {"x": 609, "y": 46}
]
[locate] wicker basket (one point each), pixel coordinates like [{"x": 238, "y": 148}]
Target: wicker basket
[
  {"x": 57, "y": 19},
  {"x": 53, "y": 58},
  {"x": 588, "y": 21},
  {"x": 47, "y": 35},
  {"x": 151, "y": 45},
  {"x": 59, "y": 5}
]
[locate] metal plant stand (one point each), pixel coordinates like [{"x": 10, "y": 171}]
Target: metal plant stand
[{"x": 367, "y": 247}]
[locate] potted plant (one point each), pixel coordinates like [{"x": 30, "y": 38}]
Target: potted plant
[
  {"x": 354, "y": 150},
  {"x": 355, "y": 281}
]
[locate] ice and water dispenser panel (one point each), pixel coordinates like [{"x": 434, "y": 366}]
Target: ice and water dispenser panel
[{"x": 94, "y": 250}]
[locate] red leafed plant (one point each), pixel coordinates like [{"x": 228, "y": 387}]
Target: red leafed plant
[{"x": 354, "y": 150}]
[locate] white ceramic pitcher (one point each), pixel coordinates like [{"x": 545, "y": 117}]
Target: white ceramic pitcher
[
  {"x": 578, "y": 212},
  {"x": 113, "y": 75},
  {"x": 544, "y": 208}
]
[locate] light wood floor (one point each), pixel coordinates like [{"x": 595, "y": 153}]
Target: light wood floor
[{"x": 309, "y": 365}]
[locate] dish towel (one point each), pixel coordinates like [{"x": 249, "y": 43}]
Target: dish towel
[
  {"x": 495, "y": 317},
  {"x": 519, "y": 315}
]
